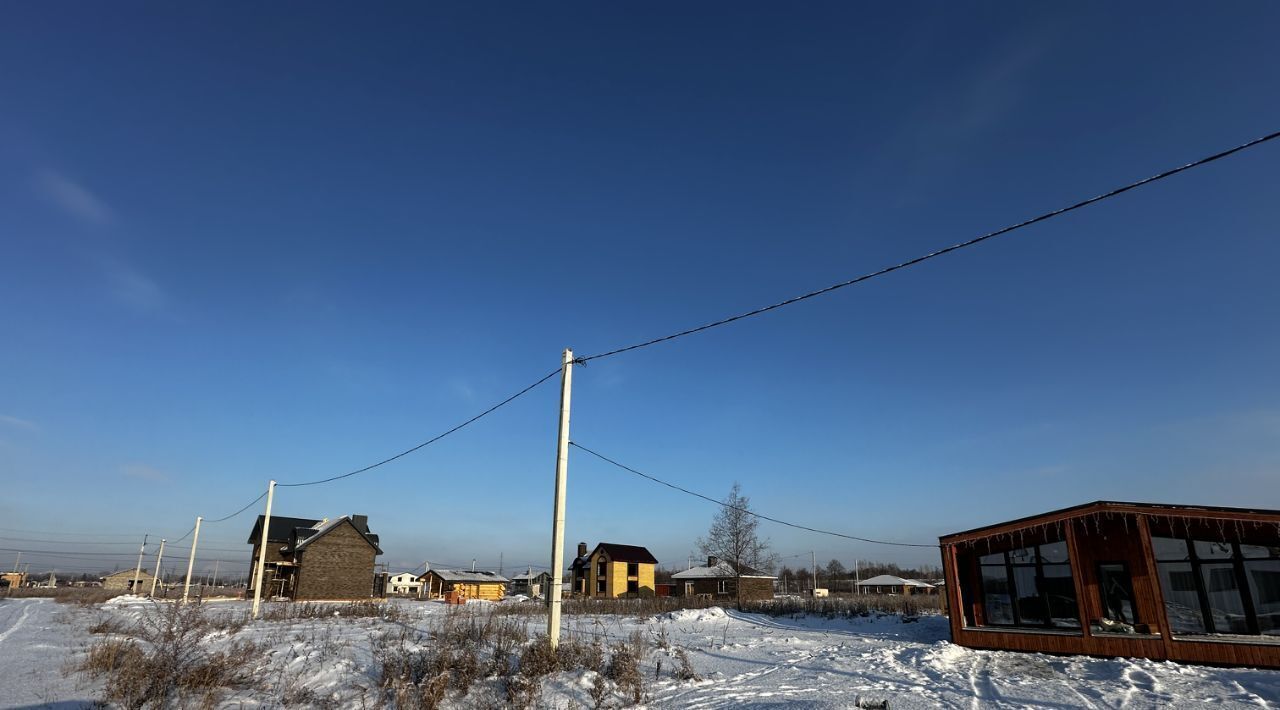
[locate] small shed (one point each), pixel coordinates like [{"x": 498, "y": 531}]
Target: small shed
[
  {"x": 892, "y": 584},
  {"x": 481, "y": 584}
]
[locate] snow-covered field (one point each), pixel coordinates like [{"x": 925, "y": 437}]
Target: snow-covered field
[{"x": 743, "y": 660}]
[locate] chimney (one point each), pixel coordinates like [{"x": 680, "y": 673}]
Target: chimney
[
  {"x": 361, "y": 522},
  {"x": 582, "y": 549},
  {"x": 712, "y": 560}
]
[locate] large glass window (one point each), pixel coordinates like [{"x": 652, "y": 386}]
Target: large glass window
[
  {"x": 1030, "y": 586},
  {"x": 1117, "y": 592},
  {"x": 1219, "y": 587}
]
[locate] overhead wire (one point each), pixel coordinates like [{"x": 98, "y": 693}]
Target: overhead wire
[
  {"x": 430, "y": 441},
  {"x": 748, "y": 511},
  {"x": 939, "y": 252}
]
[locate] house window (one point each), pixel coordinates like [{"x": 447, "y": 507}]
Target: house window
[
  {"x": 602, "y": 568},
  {"x": 722, "y": 586},
  {"x": 633, "y": 587},
  {"x": 1030, "y": 586},
  {"x": 600, "y": 586},
  {"x": 1116, "y": 588},
  {"x": 633, "y": 569},
  {"x": 1219, "y": 587}
]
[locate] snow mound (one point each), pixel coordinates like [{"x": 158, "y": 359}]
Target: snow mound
[
  {"x": 713, "y": 613},
  {"x": 126, "y": 600}
]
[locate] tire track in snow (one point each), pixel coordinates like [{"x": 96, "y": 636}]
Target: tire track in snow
[{"x": 7, "y": 621}]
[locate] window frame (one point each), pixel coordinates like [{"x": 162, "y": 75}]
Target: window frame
[
  {"x": 1128, "y": 589},
  {"x": 1196, "y": 562},
  {"x": 1038, "y": 565}
]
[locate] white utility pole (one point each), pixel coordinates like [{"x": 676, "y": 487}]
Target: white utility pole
[
  {"x": 814, "y": 557},
  {"x": 215, "y": 573},
  {"x": 857, "y": 578},
  {"x": 17, "y": 562},
  {"x": 262, "y": 550},
  {"x": 156, "y": 578},
  {"x": 137, "y": 572},
  {"x": 557, "y": 520},
  {"x": 191, "y": 560}
]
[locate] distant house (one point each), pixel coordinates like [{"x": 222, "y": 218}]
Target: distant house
[
  {"x": 316, "y": 559},
  {"x": 889, "y": 584},
  {"x": 405, "y": 583},
  {"x": 613, "y": 570},
  {"x": 533, "y": 585},
  {"x": 127, "y": 581},
  {"x": 480, "y": 584},
  {"x": 719, "y": 579}
]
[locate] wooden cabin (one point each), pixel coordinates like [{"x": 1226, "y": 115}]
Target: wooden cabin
[
  {"x": 438, "y": 583},
  {"x": 1195, "y": 584}
]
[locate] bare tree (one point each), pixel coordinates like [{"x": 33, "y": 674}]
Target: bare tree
[{"x": 734, "y": 539}]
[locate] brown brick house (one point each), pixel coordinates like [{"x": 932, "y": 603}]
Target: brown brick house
[
  {"x": 317, "y": 559},
  {"x": 720, "y": 580}
]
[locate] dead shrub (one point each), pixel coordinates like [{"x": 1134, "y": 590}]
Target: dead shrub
[
  {"x": 624, "y": 671},
  {"x": 110, "y": 655},
  {"x": 170, "y": 666},
  {"x": 539, "y": 659},
  {"x": 684, "y": 671},
  {"x": 106, "y": 624}
]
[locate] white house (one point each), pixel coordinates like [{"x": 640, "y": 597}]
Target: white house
[
  {"x": 889, "y": 584},
  {"x": 405, "y": 583}
]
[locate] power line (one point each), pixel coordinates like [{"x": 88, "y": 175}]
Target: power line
[
  {"x": 246, "y": 507},
  {"x": 430, "y": 441},
  {"x": 745, "y": 510},
  {"x": 947, "y": 250}
]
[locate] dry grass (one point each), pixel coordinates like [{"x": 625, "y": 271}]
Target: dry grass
[
  {"x": 846, "y": 607},
  {"x": 166, "y": 664},
  {"x": 464, "y": 647},
  {"x": 291, "y": 611},
  {"x": 64, "y": 595}
]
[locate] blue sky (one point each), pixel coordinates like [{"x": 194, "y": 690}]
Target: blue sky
[{"x": 244, "y": 242}]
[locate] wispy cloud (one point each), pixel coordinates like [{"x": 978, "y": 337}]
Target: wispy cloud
[
  {"x": 19, "y": 423},
  {"x": 144, "y": 472},
  {"x": 72, "y": 198},
  {"x": 133, "y": 288}
]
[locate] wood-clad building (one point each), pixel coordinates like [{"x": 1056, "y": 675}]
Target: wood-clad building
[
  {"x": 480, "y": 584},
  {"x": 719, "y": 580},
  {"x": 613, "y": 570},
  {"x": 1195, "y": 584},
  {"x": 309, "y": 559}
]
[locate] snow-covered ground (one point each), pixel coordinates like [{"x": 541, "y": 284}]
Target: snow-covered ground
[{"x": 743, "y": 660}]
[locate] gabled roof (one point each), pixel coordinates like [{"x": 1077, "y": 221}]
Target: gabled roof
[
  {"x": 526, "y": 575},
  {"x": 888, "y": 580},
  {"x": 626, "y": 553},
  {"x": 281, "y": 529},
  {"x": 722, "y": 570},
  {"x": 458, "y": 575},
  {"x": 1115, "y": 507},
  {"x": 306, "y": 536}
]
